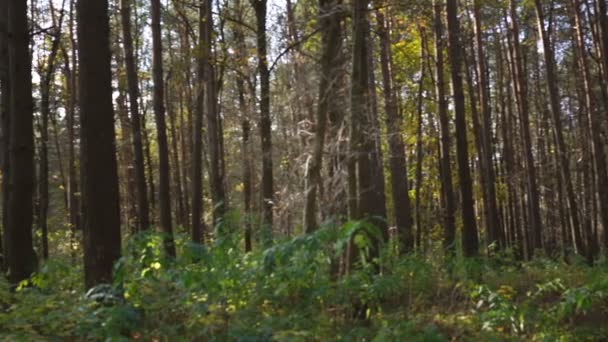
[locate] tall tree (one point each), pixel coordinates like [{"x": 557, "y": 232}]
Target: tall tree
[
  {"x": 46, "y": 82},
  {"x": 449, "y": 206},
  {"x": 265, "y": 120},
  {"x": 20, "y": 255},
  {"x": 394, "y": 123},
  {"x": 493, "y": 227},
  {"x": 330, "y": 27},
  {"x": 521, "y": 94},
  {"x": 245, "y": 111},
  {"x": 164, "y": 183},
  {"x": 470, "y": 240},
  {"x": 595, "y": 125},
  {"x": 69, "y": 73},
  {"x": 554, "y": 104},
  {"x": 216, "y": 177},
  {"x": 98, "y": 165},
  {"x": 133, "y": 90},
  {"x": 197, "y": 229},
  {"x": 4, "y": 121},
  {"x": 366, "y": 199}
]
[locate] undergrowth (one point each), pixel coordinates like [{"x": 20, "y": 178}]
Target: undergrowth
[{"x": 291, "y": 292}]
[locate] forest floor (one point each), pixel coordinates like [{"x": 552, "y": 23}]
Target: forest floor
[{"x": 288, "y": 293}]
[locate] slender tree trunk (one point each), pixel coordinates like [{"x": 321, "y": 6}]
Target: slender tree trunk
[
  {"x": 521, "y": 91},
  {"x": 449, "y": 206},
  {"x": 419, "y": 148},
  {"x": 149, "y": 166},
  {"x": 469, "y": 61},
  {"x": 493, "y": 227},
  {"x": 133, "y": 87},
  {"x": 100, "y": 198},
  {"x": 377, "y": 192},
  {"x": 397, "y": 160},
  {"x": 216, "y": 177},
  {"x": 595, "y": 122},
  {"x": 247, "y": 175},
  {"x": 177, "y": 180},
  {"x": 4, "y": 126},
  {"x": 554, "y": 101},
  {"x": 470, "y": 239},
  {"x": 70, "y": 103},
  {"x": 265, "y": 120},
  {"x": 198, "y": 231},
  {"x": 43, "y": 182},
  {"x": 331, "y": 40},
  {"x": 164, "y": 197},
  {"x": 125, "y": 154}
]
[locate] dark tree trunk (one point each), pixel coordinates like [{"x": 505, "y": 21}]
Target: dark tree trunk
[
  {"x": 20, "y": 255},
  {"x": 4, "y": 125},
  {"x": 449, "y": 206},
  {"x": 164, "y": 197},
  {"x": 554, "y": 101},
  {"x": 71, "y": 99},
  {"x": 198, "y": 226},
  {"x": 470, "y": 240},
  {"x": 247, "y": 175},
  {"x": 595, "y": 124},
  {"x": 394, "y": 122},
  {"x": 331, "y": 39},
  {"x": 43, "y": 181},
  {"x": 521, "y": 92},
  {"x": 265, "y": 120},
  {"x": 100, "y": 197},
  {"x": 493, "y": 227},
  {"x": 216, "y": 177},
  {"x": 133, "y": 89}
]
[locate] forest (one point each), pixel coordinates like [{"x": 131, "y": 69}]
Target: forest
[{"x": 299, "y": 170}]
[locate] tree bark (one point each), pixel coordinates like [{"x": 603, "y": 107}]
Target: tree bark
[
  {"x": 554, "y": 101},
  {"x": 595, "y": 124},
  {"x": 265, "y": 121},
  {"x": 198, "y": 226},
  {"x": 521, "y": 92},
  {"x": 493, "y": 227},
  {"x": 43, "y": 181},
  {"x": 216, "y": 177},
  {"x": 143, "y": 210},
  {"x": 4, "y": 126},
  {"x": 164, "y": 197},
  {"x": 470, "y": 240},
  {"x": 100, "y": 198},
  {"x": 329, "y": 24},
  {"x": 449, "y": 205},
  {"x": 394, "y": 123}
]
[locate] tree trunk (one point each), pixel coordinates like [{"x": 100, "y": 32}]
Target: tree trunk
[
  {"x": 43, "y": 182},
  {"x": 554, "y": 101},
  {"x": 449, "y": 205},
  {"x": 595, "y": 123},
  {"x": 198, "y": 231},
  {"x": 164, "y": 199},
  {"x": 4, "y": 126},
  {"x": 216, "y": 177},
  {"x": 331, "y": 39},
  {"x": 470, "y": 240},
  {"x": 265, "y": 120},
  {"x": 493, "y": 227},
  {"x": 397, "y": 160},
  {"x": 100, "y": 198},
  {"x": 521, "y": 93},
  {"x": 143, "y": 214}
]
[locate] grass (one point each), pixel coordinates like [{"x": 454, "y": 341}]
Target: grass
[{"x": 290, "y": 292}]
